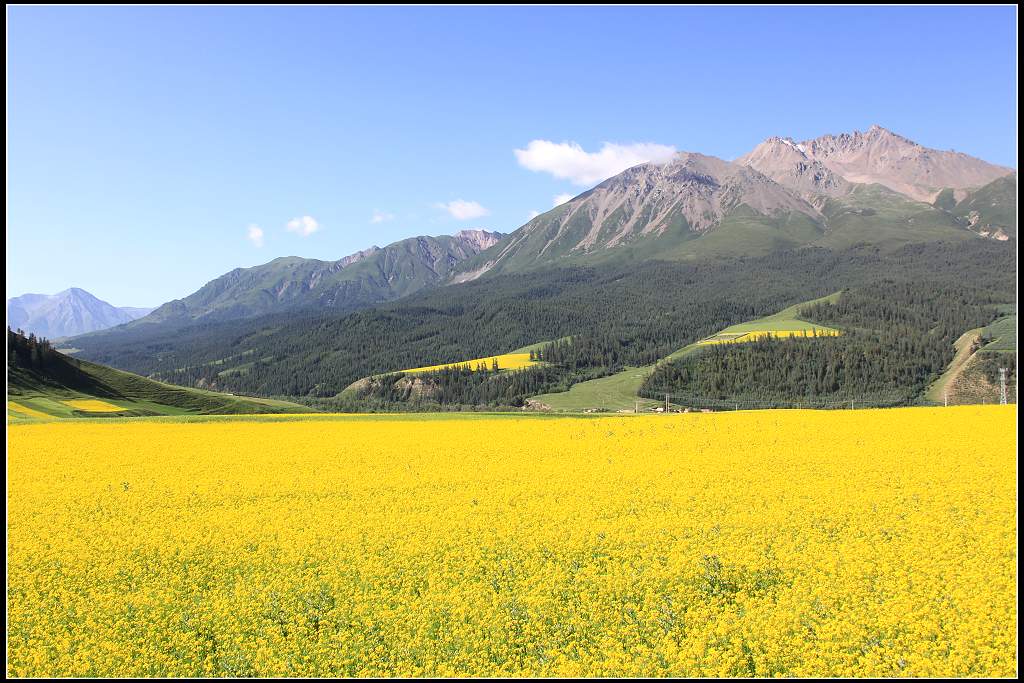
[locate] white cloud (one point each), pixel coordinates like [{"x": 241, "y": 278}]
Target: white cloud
[
  {"x": 304, "y": 225},
  {"x": 533, "y": 214},
  {"x": 382, "y": 216},
  {"x": 569, "y": 161},
  {"x": 462, "y": 210},
  {"x": 255, "y": 235},
  {"x": 561, "y": 199}
]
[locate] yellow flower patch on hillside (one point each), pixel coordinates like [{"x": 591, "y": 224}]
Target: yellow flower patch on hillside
[
  {"x": 25, "y": 410},
  {"x": 90, "y": 405},
  {"x": 507, "y": 361}
]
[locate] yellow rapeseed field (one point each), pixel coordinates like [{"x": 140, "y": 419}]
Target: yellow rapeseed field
[
  {"x": 742, "y": 337},
  {"x": 92, "y": 405},
  {"x": 799, "y": 543},
  {"x": 506, "y": 361},
  {"x": 25, "y": 410}
]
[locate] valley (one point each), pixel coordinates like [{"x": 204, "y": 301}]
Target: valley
[{"x": 631, "y": 277}]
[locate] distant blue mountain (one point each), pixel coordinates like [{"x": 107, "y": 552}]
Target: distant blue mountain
[{"x": 65, "y": 314}]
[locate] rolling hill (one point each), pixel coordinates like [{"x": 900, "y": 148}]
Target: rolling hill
[
  {"x": 620, "y": 392},
  {"x": 42, "y": 382}
]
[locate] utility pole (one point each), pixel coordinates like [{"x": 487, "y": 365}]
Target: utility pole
[
  {"x": 666, "y": 403},
  {"x": 1002, "y": 386},
  {"x": 945, "y": 399},
  {"x": 636, "y": 407}
]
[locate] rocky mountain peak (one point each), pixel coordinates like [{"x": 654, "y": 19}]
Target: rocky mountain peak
[
  {"x": 358, "y": 256},
  {"x": 479, "y": 239},
  {"x": 830, "y": 164}
]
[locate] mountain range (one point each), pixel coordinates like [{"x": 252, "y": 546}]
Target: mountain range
[
  {"x": 367, "y": 277},
  {"x": 68, "y": 313},
  {"x": 832, "y": 191},
  {"x": 630, "y": 269}
]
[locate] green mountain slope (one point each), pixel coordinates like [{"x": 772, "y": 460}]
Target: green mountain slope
[
  {"x": 991, "y": 210},
  {"x": 368, "y": 277},
  {"x": 874, "y": 214},
  {"x": 41, "y": 380}
]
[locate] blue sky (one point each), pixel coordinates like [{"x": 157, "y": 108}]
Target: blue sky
[{"x": 143, "y": 143}]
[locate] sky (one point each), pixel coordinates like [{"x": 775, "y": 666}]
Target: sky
[{"x": 152, "y": 149}]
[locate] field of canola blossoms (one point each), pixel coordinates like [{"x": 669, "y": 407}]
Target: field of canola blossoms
[
  {"x": 863, "y": 543},
  {"x": 92, "y": 405},
  {"x": 743, "y": 337},
  {"x": 506, "y": 361}
]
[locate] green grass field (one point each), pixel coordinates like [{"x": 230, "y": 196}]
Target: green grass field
[
  {"x": 615, "y": 392},
  {"x": 1003, "y": 333},
  {"x": 618, "y": 392},
  {"x": 785, "y": 320}
]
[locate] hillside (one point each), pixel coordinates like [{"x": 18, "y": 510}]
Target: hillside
[
  {"x": 365, "y": 278},
  {"x": 974, "y": 374},
  {"x": 620, "y": 392},
  {"x": 693, "y": 208},
  {"x": 42, "y": 382},
  {"x": 897, "y": 339},
  {"x": 73, "y": 311},
  {"x": 991, "y": 210}
]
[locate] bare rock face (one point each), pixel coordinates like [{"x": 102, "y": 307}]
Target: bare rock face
[
  {"x": 688, "y": 187},
  {"x": 828, "y": 164},
  {"x": 478, "y": 240},
  {"x": 691, "y": 193},
  {"x": 699, "y": 188},
  {"x": 356, "y": 257},
  {"x": 787, "y": 162}
]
